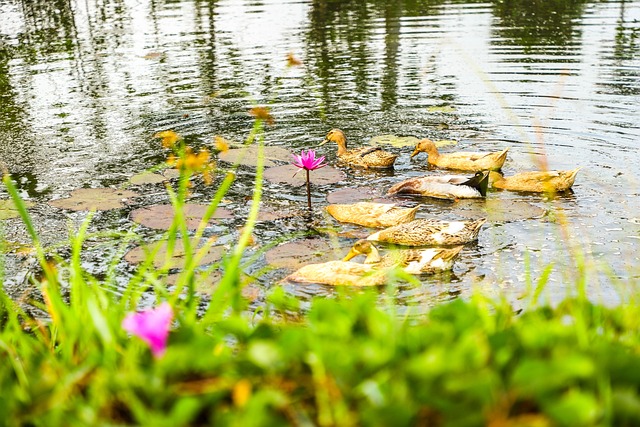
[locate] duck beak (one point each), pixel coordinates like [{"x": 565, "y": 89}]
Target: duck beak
[
  {"x": 415, "y": 153},
  {"x": 352, "y": 254},
  {"x": 323, "y": 142}
]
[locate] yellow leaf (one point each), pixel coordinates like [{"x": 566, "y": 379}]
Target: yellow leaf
[{"x": 241, "y": 392}]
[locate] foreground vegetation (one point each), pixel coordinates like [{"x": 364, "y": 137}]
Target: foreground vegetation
[{"x": 344, "y": 361}]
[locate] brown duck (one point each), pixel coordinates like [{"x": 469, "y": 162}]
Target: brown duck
[
  {"x": 365, "y": 157},
  {"x": 536, "y": 182},
  {"x": 467, "y": 161}
]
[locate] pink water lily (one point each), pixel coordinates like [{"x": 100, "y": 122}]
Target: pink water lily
[
  {"x": 308, "y": 160},
  {"x": 152, "y": 326}
]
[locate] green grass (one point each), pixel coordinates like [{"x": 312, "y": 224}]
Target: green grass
[{"x": 344, "y": 361}]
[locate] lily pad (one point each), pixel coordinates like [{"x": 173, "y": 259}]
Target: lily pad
[
  {"x": 8, "y": 209},
  {"x": 160, "y": 217},
  {"x": 207, "y": 283},
  {"x": 147, "y": 178},
  {"x": 139, "y": 254},
  {"x": 441, "y": 109},
  {"x": 171, "y": 173},
  {"x": 272, "y": 213},
  {"x": 498, "y": 210},
  {"x": 100, "y": 199},
  {"x": 354, "y": 195},
  {"x": 395, "y": 141},
  {"x": 285, "y": 174},
  {"x": 248, "y": 156},
  {"x": 293, "y": 255}
]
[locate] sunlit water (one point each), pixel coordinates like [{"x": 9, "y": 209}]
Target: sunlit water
[{"x": 84, "y": 87}]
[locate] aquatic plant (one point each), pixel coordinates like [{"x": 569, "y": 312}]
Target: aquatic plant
[
  {"x": 152, "y": 326},
  {"x": 308, "y": 162}
]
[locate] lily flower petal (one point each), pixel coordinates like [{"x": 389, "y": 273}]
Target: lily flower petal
[{"x": 152, "y": 326}]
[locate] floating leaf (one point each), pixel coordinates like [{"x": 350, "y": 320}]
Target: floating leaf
[
  {"x": 293, "y": 255},
  {"x": 8, "y": 209},
  {"x": 354, "y": 195},
  {"x": 285, "y": 174},
  {"x": 498, "y": 210},
  {"x": 161, "y": 216},
  {"x": 248, "y": 156},
  {"x": 171, "y": 173},
  {"x": 445, "y": 142},
  {"x": 154, "y": 55},
  {"x": 271, "y": 213},
  {"x": 140, "y": 253},
  {"x": 100, "y": 199},
  {"x": 147, "y": 178},
  {"x": 396, "y": 141},
  {"x": 207, "y": 283},
  {"x": 441, "y": 109}
]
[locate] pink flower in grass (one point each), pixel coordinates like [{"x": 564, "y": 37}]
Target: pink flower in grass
[
  {"x": 308, "y": 160},
  {"x": 152, "y": 326}
]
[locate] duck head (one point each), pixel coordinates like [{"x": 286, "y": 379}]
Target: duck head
[
  {"x": 425, "y": 146},
  {"x": 480, "y": 182},
  {"x": 364, "y": 247}
]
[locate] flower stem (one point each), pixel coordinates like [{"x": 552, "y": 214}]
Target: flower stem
[{"x": 308, "y": 190}]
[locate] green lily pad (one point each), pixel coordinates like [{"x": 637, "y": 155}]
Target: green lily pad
[
  {"x": 8, "y": 209},
  {"x": 146, "y": 178},
  {"x": 248, "y": 156},
  {"x": 139, "y": 254},
  {"x": 160, "y": 217},
  {"x": 441, "y": 109},
  {"x": 207, "y": 283},
  {"x": 293, "y": 255},
  {"x": 100, "y": 199},
  {"x": 287, "y": 174},
  {"x": 498, "y": 210},
  {"x": 395, "y": 141}
]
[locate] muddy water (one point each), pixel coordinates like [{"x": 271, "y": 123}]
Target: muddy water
[{"x": 85, "y": 85}]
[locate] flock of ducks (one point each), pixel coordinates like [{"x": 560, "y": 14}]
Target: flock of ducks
[{"x": 399, "y": 225}]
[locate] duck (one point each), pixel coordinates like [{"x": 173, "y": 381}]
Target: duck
[
  {"x": 430, "y": 232},
  {"x": 374, "y": 215},
  {"x": 412, "y": 261},
  {"x": 365, "y": 157},
  {"x": 535, "y": 182},
  {"x": 445, "y": 186},
  {"x": 339, "y": 273},
  {"x": 467, "y": 161}
]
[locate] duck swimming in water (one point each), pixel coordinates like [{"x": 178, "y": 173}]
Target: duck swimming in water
[
  {"x": 366, "y": 157},
  {"x": 445, "y": 186},
  {"x": 412, "y": 261},
  {"x": 537, "y": 182},
  {"x": 375, "y": 215},
  {"x": 433, "y": 232},
  {"x": 468, "y": 161}
]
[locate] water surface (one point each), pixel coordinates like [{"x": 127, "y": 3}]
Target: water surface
[{"x": 85, "y": 85}]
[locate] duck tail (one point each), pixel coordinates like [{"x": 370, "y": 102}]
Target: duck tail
[
  {"x": 480, "y": 182},
  {"x": 501, "y": 158},
  {"x": 572, "y": 175},
  {"x": 410, "y": 214},
  {"x": 447, "y": 254},
  {"x": 476, "y": 225}
]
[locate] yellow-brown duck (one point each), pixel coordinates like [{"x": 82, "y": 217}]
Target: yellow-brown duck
[
  {"x": 412, "y": 261},
  {"x": 538, "y": 182},
  {"x": 369, "y": 214},
  {"x": 468, "y": 161},
  {"x": 444, "y": 186},
  {"x": 366, "y": 157},
  {"x": 427, "y": 231},
  {"x": 339, "y": 273}
]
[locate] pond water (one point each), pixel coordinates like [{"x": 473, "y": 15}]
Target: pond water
[{"x": 84, "y": 85}]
